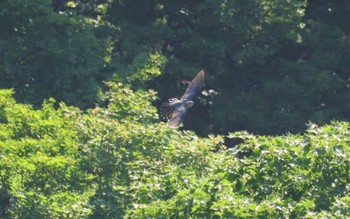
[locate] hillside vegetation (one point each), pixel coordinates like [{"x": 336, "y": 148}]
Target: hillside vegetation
[
  {"x": 117, "y": 161},
  {"x": 271, "y": 65},
  {"x": 81, "y": 83}
]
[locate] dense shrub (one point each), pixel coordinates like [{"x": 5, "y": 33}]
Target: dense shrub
[{"x": 117, "y": 160}]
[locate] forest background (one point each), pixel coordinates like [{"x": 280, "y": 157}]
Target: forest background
[{"x": 80, "y": 134}]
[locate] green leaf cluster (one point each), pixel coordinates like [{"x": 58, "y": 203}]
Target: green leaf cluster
[
  {"x": 46, "y": 54},
  {"x": 117, "y": 161},
  {"x": 38, "y": 161},
  {"x": 272, "y": 65}
]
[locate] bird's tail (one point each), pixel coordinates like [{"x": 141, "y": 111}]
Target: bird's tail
[{"x": 167, "y": 108}]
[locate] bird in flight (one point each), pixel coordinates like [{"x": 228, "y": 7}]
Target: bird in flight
[{"x": 175, "y": 109}]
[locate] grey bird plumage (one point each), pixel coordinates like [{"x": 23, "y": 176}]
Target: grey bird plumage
[{"x": 175, "y": 109}]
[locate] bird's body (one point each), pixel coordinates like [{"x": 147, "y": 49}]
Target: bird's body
[{"x": 175, "y": 109}]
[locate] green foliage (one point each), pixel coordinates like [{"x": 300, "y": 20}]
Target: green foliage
[
  {"x": 116, "y": 161},
  {"x": 288, "y": 176},
  {"x": 275, "y": 64},
  {"x": 38, "y": 171},
  {"x": 128, "y": 105},
  {"x": 47, "y": 54},
  {"x": 5, "y": 100},
  {"x": 143, "y": 68},
  {"x": 271, "y": 66}
]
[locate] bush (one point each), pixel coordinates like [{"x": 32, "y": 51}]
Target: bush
[{"x": 116, "y": 160}]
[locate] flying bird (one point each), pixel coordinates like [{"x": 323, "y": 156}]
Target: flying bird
[{"x": 175, "y": 109}]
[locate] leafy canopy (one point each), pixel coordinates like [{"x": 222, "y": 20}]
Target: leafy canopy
[{"x": 116, "y": 160}]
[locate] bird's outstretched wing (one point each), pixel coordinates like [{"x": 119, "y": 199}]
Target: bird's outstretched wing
[
  {"x": 177, "y": 116},
  {"x": 194, "y": 87}
]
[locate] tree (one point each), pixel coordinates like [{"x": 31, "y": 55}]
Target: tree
[
  {"x": 50, "y": 54},
  {"x": 271, "y": 65},
  {"x": 116, "y": 160}
]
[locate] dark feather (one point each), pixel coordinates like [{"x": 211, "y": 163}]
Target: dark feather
[
  {"x": 166, "y": 111},
  {"x": 177, "y": 117},
  {"x": 194, "y": 87}
]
